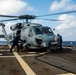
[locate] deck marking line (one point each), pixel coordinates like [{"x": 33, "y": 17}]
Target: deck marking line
[
  {"x": 24, "y": 65},
  {"x": 0, "y": 53}
]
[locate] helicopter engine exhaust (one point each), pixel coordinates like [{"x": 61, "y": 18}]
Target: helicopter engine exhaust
[{"x": 16, "y": 26}]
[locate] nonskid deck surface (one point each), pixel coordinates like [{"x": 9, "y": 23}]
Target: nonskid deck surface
[{"x": 37, "y": 62}]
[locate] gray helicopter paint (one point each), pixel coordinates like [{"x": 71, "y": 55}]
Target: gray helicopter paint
[{"x": 29, "y": 35}]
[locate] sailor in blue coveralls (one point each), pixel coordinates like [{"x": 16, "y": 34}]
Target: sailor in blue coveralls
[{"x": 15, "y": 43}]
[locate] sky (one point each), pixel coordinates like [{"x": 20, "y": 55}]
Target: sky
[{"x": 66, "y": 27}]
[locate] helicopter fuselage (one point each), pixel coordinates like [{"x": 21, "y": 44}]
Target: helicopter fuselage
[{"x": 33, "y": 35}]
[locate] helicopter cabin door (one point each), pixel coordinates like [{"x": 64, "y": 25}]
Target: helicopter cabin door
[{"x": 30, "y": 36}]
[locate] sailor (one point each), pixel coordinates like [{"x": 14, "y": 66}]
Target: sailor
[
  {"x": 15, "y": 43},
  {"x": 60, "y": 40}
]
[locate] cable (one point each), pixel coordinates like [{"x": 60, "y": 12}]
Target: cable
[{"x": 36, "y": 57}]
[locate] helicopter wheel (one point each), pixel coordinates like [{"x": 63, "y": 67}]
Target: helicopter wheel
[{"x": 51, "y": 50}]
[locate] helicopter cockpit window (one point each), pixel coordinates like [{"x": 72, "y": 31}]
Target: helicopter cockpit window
[
  {"x": 44, "y": 30},
  {"x": 38, "y": 31},
  {"x": 49, "y": 30}
]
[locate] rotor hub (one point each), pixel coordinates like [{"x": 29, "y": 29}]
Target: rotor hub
[{"x": 27, "y": 17}]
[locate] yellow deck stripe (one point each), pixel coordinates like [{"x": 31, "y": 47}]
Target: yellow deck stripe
[
  {"x": 0, "y": 53},
  {"x": 67, "y": 74},
  {"x": 23, "y": 64}
]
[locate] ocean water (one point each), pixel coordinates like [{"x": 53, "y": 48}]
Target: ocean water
[
  {"x": 69, "y": 43},
  {"x": 66, "y": 43}
]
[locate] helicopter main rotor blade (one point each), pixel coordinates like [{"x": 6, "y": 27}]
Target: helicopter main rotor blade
[
  {"x": 8, "y": 20},
  {"x": 50, "y": 19},
  {"x": 33, "y": 17},
  {"x": 9, "y": 16},
  {"x": 37, "y": 18},
  {"x": 67, "y": 12},
  {"x": 20, "y": 17}
]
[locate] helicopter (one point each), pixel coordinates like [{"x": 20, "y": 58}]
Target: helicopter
[{"x": 33, "y": 35}]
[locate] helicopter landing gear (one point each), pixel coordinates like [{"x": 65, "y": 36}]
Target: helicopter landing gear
[{"x": 56, "y": 47}]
